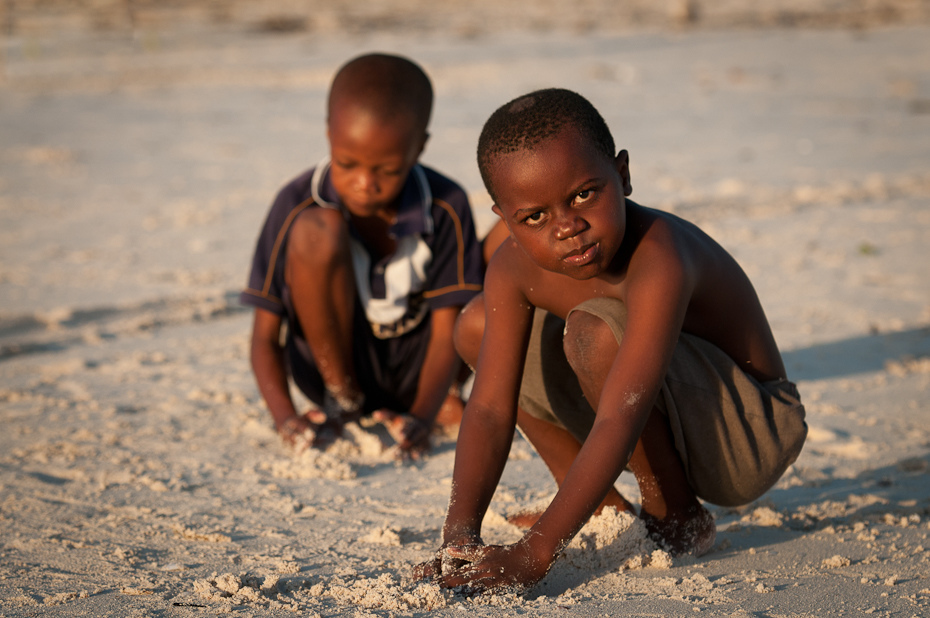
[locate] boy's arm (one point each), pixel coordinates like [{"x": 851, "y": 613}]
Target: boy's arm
[
  {"x": 267, "y": 357},
  {"x": 440, "y": 366},
  {"x": 657, "y": 300},
  {"x": 486, "y": 432}
]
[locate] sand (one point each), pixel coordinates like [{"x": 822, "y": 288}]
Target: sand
[{"x": 139, "y": 473}]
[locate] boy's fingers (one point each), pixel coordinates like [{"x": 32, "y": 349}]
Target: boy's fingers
[
  {"x": 316, "y": 416},
  {"x": 470, "y": 579},
  {"x": 295, "y": 429},
  {"x": 416, "y": 441},
  {"x": 393, "y": 422},
  {"x": 426, "y": 570},
  {"x": 410, "y": 433},
  {"x": 469, "y": 553},
  {"x": 384, "y": 415},
  {"x": 414, "y": 431},
  {"x": 388, "y": 418}
]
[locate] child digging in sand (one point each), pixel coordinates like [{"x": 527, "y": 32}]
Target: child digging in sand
[
  {"x": 615, "y": 336},
  {"x": 367, "y": 259}
]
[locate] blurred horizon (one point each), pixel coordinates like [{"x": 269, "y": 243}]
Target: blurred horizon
[{"x": 41, "y": 18}]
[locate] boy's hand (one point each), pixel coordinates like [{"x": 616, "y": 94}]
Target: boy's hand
[
  {"x": 488, "y": 567},
  {"x": 295, "y": 430},
  {"x": 442, "y": 562},
  {"x": 430, "y": 570},
  {"x": 410, "y": 433},
  {"x": 305, "y": 430}
]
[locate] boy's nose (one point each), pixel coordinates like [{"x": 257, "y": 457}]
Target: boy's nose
[
  {"x": 366, "y": 182},
  {"x": 568, "y": 226}
]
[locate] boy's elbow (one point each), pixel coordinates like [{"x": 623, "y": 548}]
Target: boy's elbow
[
  {"x": 263, "y": 349},
  {"x": 255, "y": 356},
  {"x": 490, "y": 418},
  {"x": 469, "y": 329}
]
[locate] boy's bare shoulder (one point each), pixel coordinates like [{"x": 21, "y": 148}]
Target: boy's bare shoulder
[
  {"x": 661, "y": 240},
  {"x": 671, "y": 252},
  {"x": 718, "y": 300},
  {"x": 658, "y": 230},
  {"x": 511, "y": 262}
]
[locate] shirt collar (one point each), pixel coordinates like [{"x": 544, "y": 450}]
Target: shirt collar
[{"x": 414, "y": 214}]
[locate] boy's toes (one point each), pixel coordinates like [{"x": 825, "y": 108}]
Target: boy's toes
[
  {"x": 326, "y": 433},
  {"x": 316, "y": 416},
  {"x": 392, "y": 421},
  {"x": 525, "y": 519},
  {"x": 689, "y": 533},
  {"x": 384, "y": 416},
  {"x": 450, "y": 414}
]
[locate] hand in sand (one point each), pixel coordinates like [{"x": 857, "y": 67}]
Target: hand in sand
[
  {"x": 310, "y": 429},
  {"x": 410, "y": 433},
  {"x": 441, "y": 562},
  {"x": 488, "y": 567}
]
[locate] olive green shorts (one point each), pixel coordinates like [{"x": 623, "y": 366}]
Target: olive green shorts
[{"x": 735, "y": 435}]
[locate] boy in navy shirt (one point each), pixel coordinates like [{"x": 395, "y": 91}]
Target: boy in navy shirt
[{"x": 367, "y": 259}]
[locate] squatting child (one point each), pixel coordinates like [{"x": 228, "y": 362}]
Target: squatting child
[
  {"x": 616, "y": 336},
  {"x": 366, "y": 259}
]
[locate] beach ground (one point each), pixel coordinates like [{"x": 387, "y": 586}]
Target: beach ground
[{"x": 139, "y": 473}]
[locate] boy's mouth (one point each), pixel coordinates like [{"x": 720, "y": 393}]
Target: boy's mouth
[{"x": 582, "y": 256}]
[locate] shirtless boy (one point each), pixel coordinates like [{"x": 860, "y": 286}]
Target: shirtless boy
[
  {"x": 367, "y": 259},
  {"x": 644, "y": 345}
]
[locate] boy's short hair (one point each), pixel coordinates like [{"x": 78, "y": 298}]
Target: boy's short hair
[
  {"x": 386, "y": 85},
  {"x": 532, "y": 118}
]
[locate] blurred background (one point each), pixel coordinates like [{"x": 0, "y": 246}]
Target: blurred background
[
  {"x": 60, "y": 17},
  {"x": 141, "y": 141}
]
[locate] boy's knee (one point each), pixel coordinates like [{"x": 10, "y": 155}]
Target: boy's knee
[
  {"x": 588, "y": 341},
  {"x": 318, "y": 237},
  {"x": 469, "y": 329}
]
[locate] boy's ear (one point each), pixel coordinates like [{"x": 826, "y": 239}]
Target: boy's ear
[
  {"x": 500, "y": 215},
  {"x": 622, "y": 163},
  {"x": 423, "y": 143}
]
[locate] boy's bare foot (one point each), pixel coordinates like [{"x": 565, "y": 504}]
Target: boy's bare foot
[
  {"x": 691, "y": 532},
  {"x": 344, "y": 404},
  {"x": 326, "y": 433},
  {"x": 449, "y": 416},
  {"x": 527, "y": 519}
]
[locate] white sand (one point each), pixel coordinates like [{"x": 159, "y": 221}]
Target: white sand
[{"x": 139, "y": 474}]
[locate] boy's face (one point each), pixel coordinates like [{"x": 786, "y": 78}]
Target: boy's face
[
  {"x": 371, "y": 159},
  {"x": 564, "y": 203}
]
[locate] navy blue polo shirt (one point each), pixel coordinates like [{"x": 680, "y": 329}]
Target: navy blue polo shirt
[{"x": 437, "y": 262}]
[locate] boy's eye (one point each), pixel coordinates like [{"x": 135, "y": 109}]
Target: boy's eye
[
  {"x": 533, "y": 218},
  {"x": 584, "y": 196}
]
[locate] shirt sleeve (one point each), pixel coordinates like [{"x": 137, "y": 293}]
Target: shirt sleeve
[
  {"x": 265, "y": 288},
  {"x": 455, "y": 274}
]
